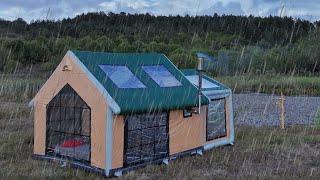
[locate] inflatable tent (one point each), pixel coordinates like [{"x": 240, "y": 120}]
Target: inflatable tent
[{"x": 113, "y": 112}]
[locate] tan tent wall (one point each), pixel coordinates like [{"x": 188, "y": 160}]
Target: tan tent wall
[
  {"x": 186, "y": 133},
  {"x": 80, "y": 82},
  {"x": 117, "y": 142}
]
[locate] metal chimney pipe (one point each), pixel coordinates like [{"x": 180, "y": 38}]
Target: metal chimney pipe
[{"x": 200, "y": 69}]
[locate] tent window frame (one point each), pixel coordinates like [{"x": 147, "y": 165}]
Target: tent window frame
[
  {"x": 63, "y": 117},
  {"x": 225, "y": 119},
  {"x": 206, "y": 84},
  {"x": 154, "y": 72},
  {"x": 135, "y": 82}
]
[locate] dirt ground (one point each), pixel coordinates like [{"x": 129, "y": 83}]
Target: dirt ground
[{"x": 257, "y": 109}]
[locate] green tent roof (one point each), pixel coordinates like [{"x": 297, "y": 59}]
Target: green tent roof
[{"x": 139, "y": 100}]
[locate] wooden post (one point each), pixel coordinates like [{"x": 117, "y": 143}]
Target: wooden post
[
  {"x": 282, "y": 116},
  {"x": 280, "y": 103}
]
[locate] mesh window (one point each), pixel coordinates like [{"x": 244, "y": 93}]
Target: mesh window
[
  {"x": 146, "y": 138},
  {"x": 216, "y": 119},
  {"x": 68, "y": 126}
]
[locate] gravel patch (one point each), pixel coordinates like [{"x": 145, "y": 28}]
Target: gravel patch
[{"x": 261, "y": 109}]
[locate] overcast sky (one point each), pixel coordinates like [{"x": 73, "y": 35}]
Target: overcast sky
[{"x": 58, "y": 9}]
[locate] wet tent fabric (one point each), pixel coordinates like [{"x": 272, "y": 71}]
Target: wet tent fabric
[
  {"x": 85, "y": 87},
  {"x": 150, "y": 98}
]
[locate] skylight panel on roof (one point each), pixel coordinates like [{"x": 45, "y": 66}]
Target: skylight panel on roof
[
  {"x": 161, "y": 76},
  {"x": 122, "y": 76},
  {"x": 194, "y": 79}
]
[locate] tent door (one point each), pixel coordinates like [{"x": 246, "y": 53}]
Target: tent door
[
  {"x": 146, "y": 138},
  {"x": 68, "y": 126}
]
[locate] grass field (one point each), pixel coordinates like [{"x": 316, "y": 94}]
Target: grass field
[{"x": 265, "y": 152}]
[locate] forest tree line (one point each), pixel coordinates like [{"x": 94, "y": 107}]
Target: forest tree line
[{"x": 241, "y": 44}]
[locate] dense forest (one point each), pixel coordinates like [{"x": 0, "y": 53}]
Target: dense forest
[{"x": 240, "y": 44}]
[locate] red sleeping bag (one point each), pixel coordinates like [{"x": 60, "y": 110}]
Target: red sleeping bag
[{"x": 72, "y": 143}]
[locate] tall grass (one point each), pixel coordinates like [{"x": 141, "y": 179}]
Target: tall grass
[
  {"x": 288, "y": 85},
  {"x": 19, "y": 88}
]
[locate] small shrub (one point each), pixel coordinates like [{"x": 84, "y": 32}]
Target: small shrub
[
  {"x": 11, "y": 66},
  {"x": 2, "y": 115},
  {"x": 48, "y": 66}
]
